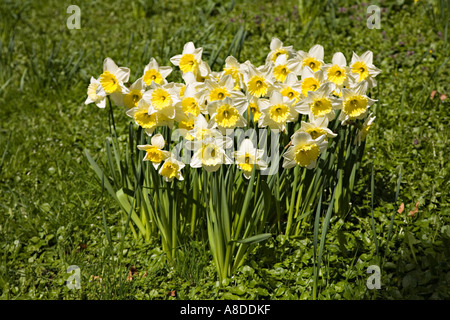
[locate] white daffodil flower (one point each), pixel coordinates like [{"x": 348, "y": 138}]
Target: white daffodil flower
[
  {"x": 235, "y": 70},
  {"x": 96, "y": 94},
  {"x": 254, "y": 111},
  {"x": 312, "y": 59},
  {"x": 276, "y": 111},
  {"x": 364, "y": 69},
  {"x": 154, "y": 73},
  {"x": 290, "y": 88},
  {"x": 161, "y": 99},
  {"x": 189, "y": 60},
  {"x": 319, "y": 103},
  {"x": 113, "y": 78},
  {"x": 225, "y": 114},
  {"x": 248, "y": 157},
  {"x": 210, "y": 154},
  {"x": 132, "y": 95},
  {"x": 364, "y": 130},
  {"x": 283, "y": 67},
  {"x": 277, "y": 49},
  {"x": 316, "y": 128},
  {"x": 355, "y": 103},
  {"x": 337, "y": 72},
  {"x": 257, "y": 82},
  {"x": 171, "y": 169},
  {"x": 311, "y": 81},
  {"x": 304, "y": 151},
  {"x": 154, "y": 152},
  {"x": 192, "y": 101}
]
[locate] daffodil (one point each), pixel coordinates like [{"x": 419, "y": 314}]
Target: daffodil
[
  {"x": 364, "y": 69},
  {"x": 192, "y": 101},
  {"x": 290, "y": 88},
  {"x": 337, "y": 72},
  {"x": 154, "y": 152},
  {"x": 210, "y": 154},
  {"x": 316, "y": 128},
  {"x": 133, "y": 95},
  {"x": 283, "y": 67},
  {"x": 189, "y": 60},
  {"x": 253, "y": 108},
  {"x": 149, "y": 122},
  {"x": 248, "y": 157},
  {"x": 96, "y": 94},
  {"x": 171, "y": 169},
  {"x": 277, "y": 49},
  {"x": 161, "y": 99},
  {"x": 364, "y": 130},
  {"x": 312, "y": 59},
  {"x": 203, "y": 130},
  {"x": 355, "y": 103},
  {"x": 234, "y": 69},
  {"x": 311, "y": 81},
  {"x": 258, "y": 82},
  {"x": 185, "y": 126},
  {"x": 304, "y": 151},
  {"x": 320, "y": 103},
  {"x": 226, "y": 115},
  {"x": 113, "y": 78},
  {"x": 155, "y": 73},
  {"x": 277, "y": 111}
]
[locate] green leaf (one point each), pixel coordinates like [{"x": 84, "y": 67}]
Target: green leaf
[{"x": 254, "y": 239}]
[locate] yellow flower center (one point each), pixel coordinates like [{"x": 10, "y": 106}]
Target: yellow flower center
[
  {"x": 316, "y": 132},
  {"x": 280, "y": 72},
  {"x": 257, "y": 86},
  {"x": 234, "y": 72},
  {"x": 278, "y": 53},
  {"x": 109, "y": 82},
  {"x": 321, "y": 107},
  {"x": 360, "y": 68},
  {"x": 154, "y": 154},
  {"x": 218, "y": 94},
  {"x": 211, "y": 156},
  {"x": 355, "y": 106},
  {"x": 188, "y": 63},
  {"x": 313, "y": 63},
  {"x": 309, "y": 84},
  {"x": 248, "y": 163},
  {"x": 290, "y": 94},
  {"x": 169, "y": 170},
  {"x": 336, "y": 75},
  {"x": 161, "y": 99},
  {"x": 132, "y": 98},
  {"x": 306, "y": 154},
  {"x": 152, "y": 75},
  {"x": 190, "y": 106},
  {"x": 187, "y": 125},
  {"x": 279, "y": 113},
  {"x": 144, "y": 119},
  {"x": 253, "y": 107},
  {"x": 182, "y": 90},
  {"x": 227, "y": 116}
]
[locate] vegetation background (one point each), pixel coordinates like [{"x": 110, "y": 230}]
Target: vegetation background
[{"x": 52, "y": 204}]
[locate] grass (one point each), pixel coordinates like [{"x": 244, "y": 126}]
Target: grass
[{"x": 54, "y": 213}]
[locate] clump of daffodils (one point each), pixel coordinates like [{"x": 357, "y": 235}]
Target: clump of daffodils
[{"x": 207, "y": 107}]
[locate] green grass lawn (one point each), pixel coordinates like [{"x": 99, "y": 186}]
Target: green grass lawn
[{"x": 53, "y": 212}]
